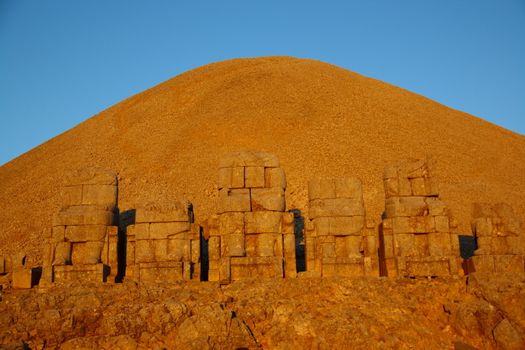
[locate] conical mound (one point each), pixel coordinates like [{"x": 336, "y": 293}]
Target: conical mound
[{"x": 318, "y": 119}]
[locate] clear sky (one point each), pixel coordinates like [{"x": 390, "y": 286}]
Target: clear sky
[{"x": 62, "y": 61}]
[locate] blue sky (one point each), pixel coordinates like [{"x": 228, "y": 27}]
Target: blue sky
[{"x": 62, "y": 61}]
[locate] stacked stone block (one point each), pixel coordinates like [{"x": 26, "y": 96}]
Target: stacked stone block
[
  {"x": 251, "y": 236},
  {"x": 500, "y": 239},
  {"x": 337, "y": 239},
  {"x": 82, "y": 244},
  {"x": 416, "y": 238},
  {"x": 163, "y": 245}
]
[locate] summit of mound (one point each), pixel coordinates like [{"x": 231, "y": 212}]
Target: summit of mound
[{"x": 318, "y": 119}]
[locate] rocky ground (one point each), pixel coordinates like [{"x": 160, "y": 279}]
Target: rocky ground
[{"x": 303, "y": 313}]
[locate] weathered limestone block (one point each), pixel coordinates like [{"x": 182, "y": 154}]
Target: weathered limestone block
[
  {"x": 233, "y": 244},
  {"x": 62, "y": 254},
  {"x": 85, "y": 233},
  {"x": 266, "y": 244},
  {"x": 234, "y": 200},
  {"x": 86, "y": 253},
  {"x": 274, "y": 177},
  {"x": 82, "y": 273},
  {"x": 71, "y": 195},
  {"x": 163, "y": 212},
  {"x": 336, "y": 207},
  {"x": 263, "y": 222},
  {"x": 254, "y": 177},
  {"x": 214, "y": 248},
  {"x": 22, "y": 279},
  {"x": 230, "y": 223},
  {"x": 102, "y": 195},
  {"x": 232, "y": 177},
  {"x": 343, "y": 225},
  {"x": 250, "y": 244},
  {"x": 406, "y": 206},
  {"x": 262, "y": 267},
  {"x": 163, "y": 230},
  {"x": 161, "y": 272},
  {"x": 83, "y": 215},
  {"x": 268, "y": 199}
]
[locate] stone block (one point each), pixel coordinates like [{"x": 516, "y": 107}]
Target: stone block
[
  {"x": 169, "y": 212},
  {"x": 58, "y": 234},
  {"x": 418, "y": 186},
  {"x": 274, "y": 177},
  {"x": 22, "y": 279},
  {"x": 428, "y": 268},
  {"x": 415, "y": 168},
  {"x": 177, "y": 250},
  {"x": 62, "y": 255},
  {"x": 516, "y": 245},
  {"x": 83, "y": 215},
  {"x": 195, "y": 251},
  {"x": 422, "y": 244},
  {"x": 335, "y": 207},
  {"x": 225, "y": 270},
  {"x": 371, "y": 245},
  {"x": 263, "y": 222},
  {"x": 211, "y": 226},
  {"x": 289, "y": 248},
  {"x": 431, "y": 187},
  {"x": 71, "y": 195},
  {"x": 266, "y": 243},
  {"x": 144, "y": 251},
  {"x": 402, "y": 225},
  {"x": 287, "y": 223},
  {"x": 405, "y": 245},
  {"x": 391, "y": 187},
  {"x": 250, "y": 245},
  {"x": 321, "y": 189},
  {"x": 163, "y": 230},
  {"x": 483, "y": 263},
  {"x": 268, "y": 199},
  {"x": 328, "y": 250},
  {"x": 214, "y": 248},
  {"x": 235, "y": 200},
  {"x": 436, "y": 206},
  {"x": 3, "y": 265},
  {"x": 233, "y": 244},
  {"x": 85, "y": 233},
  {"x": 405, "y": 188},
  {"x": 213, "y": 275},
  {"x": 406, "y": 206},
  {"x": 161, "y": 272},
  {"x": 254, "y": 177},
  {"x": 439, "y": 244},
  {"x": 139, "y": 231},
  {"x": 350, "y": 269},
  {"x": 230, "y": 223},
  {"x": 101, "y": 195},
  {"x": 442, "y": 223},
  {"x": 388, "y": 245},
  {"x": 86, "y": 253},
  {"x": 249, "y": 158},
  {"x": 81, "y": 273},
  {"x": 348, "y": 246},
  {"x": 342, "y": 226},
  {"x": 231, "y": 177},
  {"x": 509, "y": 263}
]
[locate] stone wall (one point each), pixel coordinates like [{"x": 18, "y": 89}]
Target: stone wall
[
  {"x": 251, "y": 235},
  {"x": 337, "y": 239},
  {"x": 416, "y": 238},
  {"x": 82, "y": 243},
  {"x": 163, "y": 245},
  {"x": 500, "y": 239}
]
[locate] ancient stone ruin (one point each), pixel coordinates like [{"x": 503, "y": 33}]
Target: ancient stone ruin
[
  {"x": 82, "y": 244},
  {"x": 251, "y": 235},
  {"x": 499, "y": 237},
  {"x": 416, "y": 237},
  {"x": 336, "y": 237},
  {"x": 163, "y": 245}
]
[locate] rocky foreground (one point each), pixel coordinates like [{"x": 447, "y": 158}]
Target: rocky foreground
[{"x": 303, "y": 313}]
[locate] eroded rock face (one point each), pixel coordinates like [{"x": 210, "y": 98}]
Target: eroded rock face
[{"x": 356, "y": 312}]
